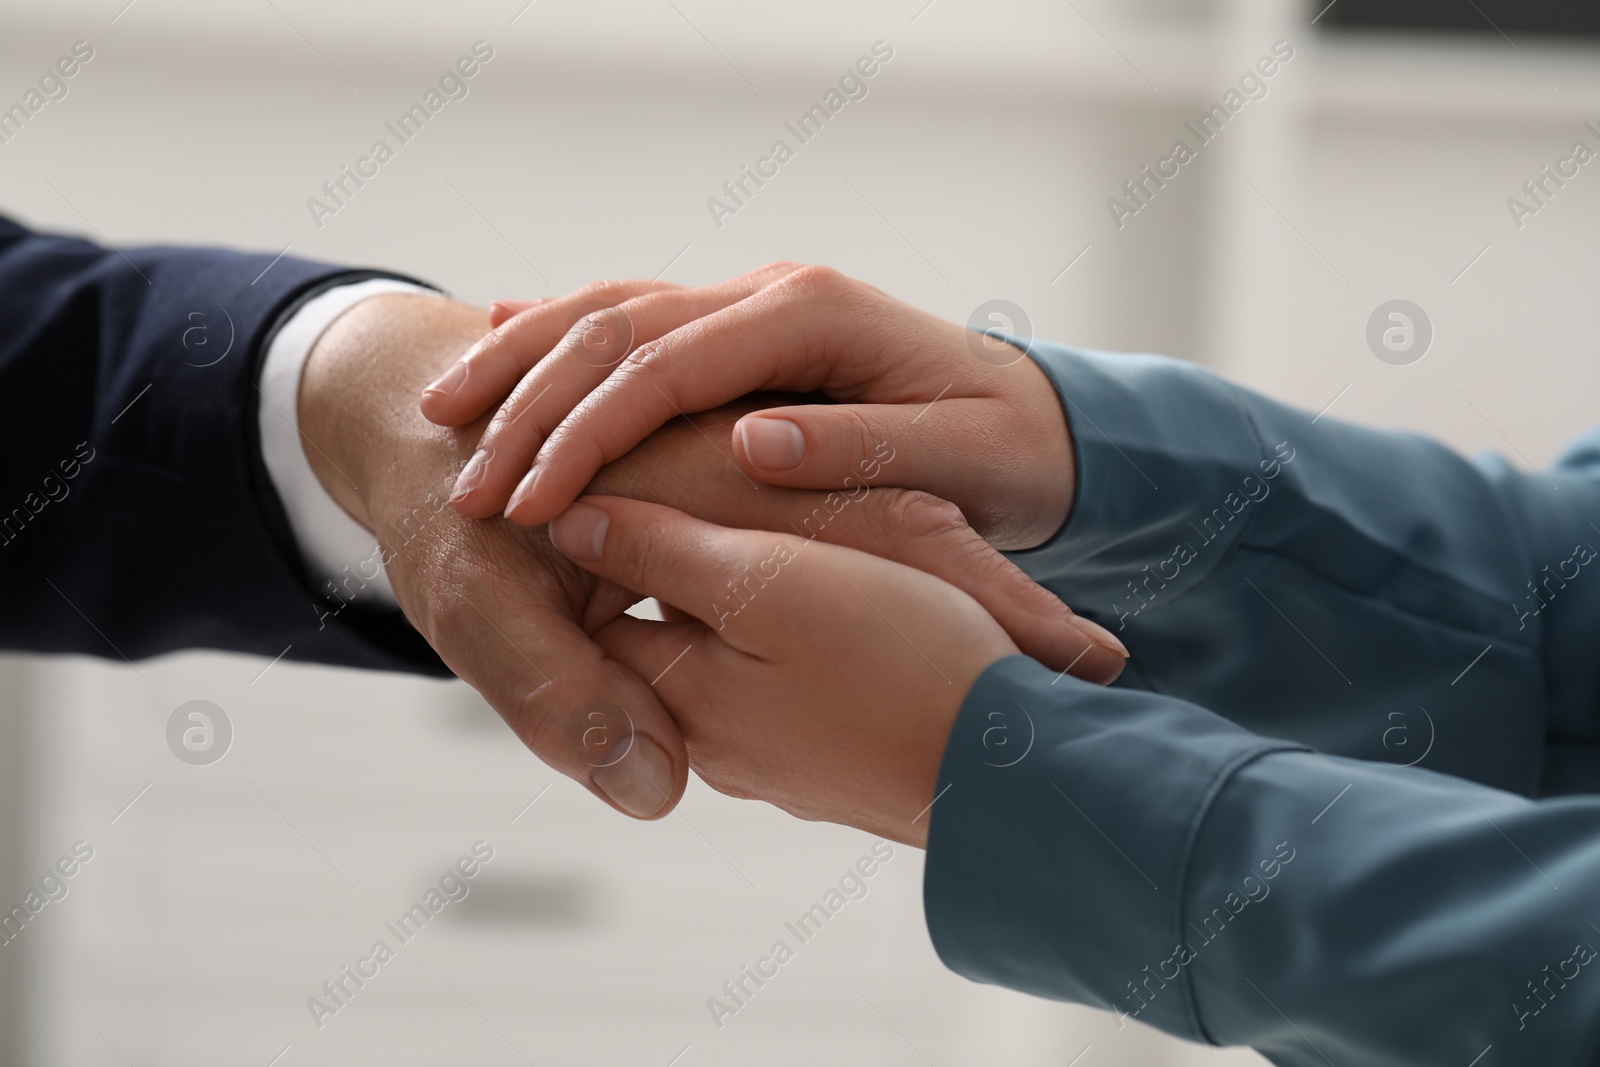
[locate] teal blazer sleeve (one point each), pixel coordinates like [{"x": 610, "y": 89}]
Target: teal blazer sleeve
[
  {"x": 1367, "y": 593},
  {"x": 1335, "y": 810},
  {"x": 1134, "y": 852}
]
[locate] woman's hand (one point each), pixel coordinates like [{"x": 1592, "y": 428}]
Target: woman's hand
[
  {"x": 818, "y": 678},
  {"x": 973, "y": 420},
  {"x": 676, "y": 466}
]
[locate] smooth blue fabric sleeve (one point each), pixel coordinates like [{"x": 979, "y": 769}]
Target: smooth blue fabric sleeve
[
  {"x": 1368, "y": 593},
  {"x": 1135, "y": 852}
]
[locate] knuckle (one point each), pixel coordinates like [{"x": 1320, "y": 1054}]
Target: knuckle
[
  {"x": 503, "y": 425},
  {"x": 650, "y": 353},
  {"x": 611, "y": 291},
  {"x": 570, "y": 726},
  {"x": 912, "y": 513},
  {"x": 777, "y": 267},
  {"x": 815, "y": 280},
  {"x": 611, "y": 319},
  {"x": 536, "y": 718},
  {"x": 602, "y": 336},
  {"x": 605, "y": 291},
  {"x": 647, "y": 368},
  {"x": 852, "y": 430},
  {"x": 531, "y": 719},
  {"x": 645, "y": 550}
]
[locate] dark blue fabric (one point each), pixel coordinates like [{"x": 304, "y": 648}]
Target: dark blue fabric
[
  {"x": 133, "y": 517},
  {"x": 1229, "y": 844}
]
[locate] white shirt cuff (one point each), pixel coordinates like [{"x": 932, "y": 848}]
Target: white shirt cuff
[{"x": 340, "y": 554}]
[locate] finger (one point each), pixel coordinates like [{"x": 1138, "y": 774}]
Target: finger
[
  {"x": 678, "y": 468},
  {"x": 761, "y": 615},
  {"x": 930, "y": 534},
  {"x": 943, "y": 447},
  {"x": 673, "y": 655},
  {"x": 690, "y": 666},
  {"x": 672, "y": 614},
  {"x": 584, "y": 714},
  {"x": 960, "y": 449},
  {"x": 694, "y": 566},
  {"x": 581, "y": 360},
  {"x": 501, "y": 310},
  {"x": 489, "y": 369},
  {"x": 793, "y": 336}
]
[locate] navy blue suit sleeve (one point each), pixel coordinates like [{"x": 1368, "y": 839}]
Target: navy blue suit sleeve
[{"x": 135, "y": 518}]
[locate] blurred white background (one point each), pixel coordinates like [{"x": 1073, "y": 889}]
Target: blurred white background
[{"x": 978, "y": 166}]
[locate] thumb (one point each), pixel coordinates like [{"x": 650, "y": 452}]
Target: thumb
[
  {"x": 691, "y": 565},
  {"x": 829, "y": 446}
]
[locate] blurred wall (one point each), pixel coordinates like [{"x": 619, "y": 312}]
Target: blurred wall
[{"x": 979, "y": 164}]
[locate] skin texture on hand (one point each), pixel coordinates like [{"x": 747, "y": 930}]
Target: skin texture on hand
[
  {"x": 496, "y": 602},
  {"x": 686, "y": 465},
  {"x": 978, "y": 423},
  {"x": 514, "y": 618},
  {"x": 827, "y": 685}
]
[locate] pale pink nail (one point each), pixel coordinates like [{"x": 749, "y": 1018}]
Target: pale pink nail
[
  {"x": 523, "y": 491},
  {"x": 472, "y": 473},
  {"x": 772, "y": 444},
  {"x": 580, "y": 533},
  {"x": 450, "y": 381},
  {"x": 1099, "y": 635}
]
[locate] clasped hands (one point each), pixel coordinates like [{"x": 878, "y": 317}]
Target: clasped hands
[{"x": 812, "y": 479}]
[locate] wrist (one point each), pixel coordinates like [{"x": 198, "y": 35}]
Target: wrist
[
  {"x": 361, "y": 430},
  {"x": 1043, "y": 500}
]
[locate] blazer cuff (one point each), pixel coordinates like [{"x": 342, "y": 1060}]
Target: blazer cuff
[
  {"x": 372, "y": 622},
  {"x": 1167, "y": 459},
  {"x": 1060, "y": 839},
  {"x": 341, "y": 555}
]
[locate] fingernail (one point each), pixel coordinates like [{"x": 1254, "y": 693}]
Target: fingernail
[
  {"x": 472, "y": 473},
  {"x": 580, "y": 532},
  {"x": 772, "y": 444},
  {"x": 522, "y": 492},
  {"x": 450, "y": 380},
  {"x": 640, "y": 783},
  {"x": 1099, "y": 635}
]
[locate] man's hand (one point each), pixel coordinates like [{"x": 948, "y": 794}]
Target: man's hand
[
  {"x": 512, "y": 617},
  {"x": 494, "y": 600}
]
